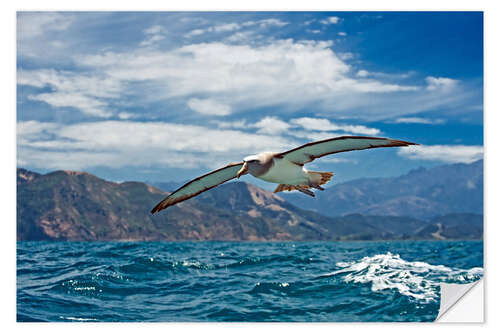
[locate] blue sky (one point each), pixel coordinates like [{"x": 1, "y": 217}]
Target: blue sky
[{"x": 168, "y": 96}]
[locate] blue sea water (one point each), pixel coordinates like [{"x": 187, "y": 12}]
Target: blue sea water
[{"x": 239, "y": 281}]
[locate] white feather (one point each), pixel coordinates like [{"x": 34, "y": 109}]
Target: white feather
[{"x": 285, "y": 172}]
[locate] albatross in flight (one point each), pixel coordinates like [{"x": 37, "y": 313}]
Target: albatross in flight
[{"x": 286, "y": 168}]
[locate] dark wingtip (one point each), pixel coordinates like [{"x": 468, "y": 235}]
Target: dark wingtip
[
  {"x": 407, "y": 143},
  {"x": 156, "y": 209},
  {"x": 164, "y": 204}
]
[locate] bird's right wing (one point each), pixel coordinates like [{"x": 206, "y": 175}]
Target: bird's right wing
[
  {"x": 199, "y": 185},
  {"x": 312, "y": 150}
]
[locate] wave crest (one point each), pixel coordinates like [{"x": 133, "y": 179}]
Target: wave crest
[{"x": 415, "y": 279}]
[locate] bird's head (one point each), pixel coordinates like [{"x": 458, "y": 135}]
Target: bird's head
[
  {"x": 252, "y": 159},
  {"x": 248, "y": 162}
]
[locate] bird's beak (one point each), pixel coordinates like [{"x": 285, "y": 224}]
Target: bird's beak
[{"x": 243, "y": 170}]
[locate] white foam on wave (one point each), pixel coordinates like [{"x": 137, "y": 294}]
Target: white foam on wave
[
  {"x": 415, "y": 279},
  {"x": 78, "y": 319}
]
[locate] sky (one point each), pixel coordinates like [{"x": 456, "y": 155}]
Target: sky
[{"x": 168, "y": 96}]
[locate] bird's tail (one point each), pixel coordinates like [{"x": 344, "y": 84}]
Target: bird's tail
[
  {"x": 316, "y": 179},
  {"x": 302, "y": 188}
]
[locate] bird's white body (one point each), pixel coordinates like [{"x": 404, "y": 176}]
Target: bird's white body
[{"x": 285, "y": 172}]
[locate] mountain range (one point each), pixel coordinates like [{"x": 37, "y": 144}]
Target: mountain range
[
  {"x": 421, "y": 193},
  {"x": 70, "y": 205}
]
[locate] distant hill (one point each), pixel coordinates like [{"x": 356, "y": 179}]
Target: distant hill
[
  {"x": 166, "y": 186},
  {"x": 68, "y": 205},
  {"x": 422, "y": 193},
  {"x": 453, "y": 226}
]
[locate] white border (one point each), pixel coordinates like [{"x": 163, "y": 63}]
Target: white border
[{"x": 8, "y": 120}]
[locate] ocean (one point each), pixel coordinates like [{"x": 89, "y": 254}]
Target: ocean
[{"x": 239, "y": 281}]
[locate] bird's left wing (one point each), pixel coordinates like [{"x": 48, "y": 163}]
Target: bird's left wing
[
  {"x": 199, "y": 185},
  {"x": 308, "y": 152}
]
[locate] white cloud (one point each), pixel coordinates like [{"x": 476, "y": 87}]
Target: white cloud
[
  {"x": 271, "y": 22},
  {"x": 359, "y": 129},
  {"x": 127, "y": 143},
  {"x": 209, "y": 107},
  {"x": 228, "y": 27},
  {"x": 243, "y": 37},
  {"x": 321, "y": 124},
  {"x": 33, "y": 24},
  {"x": 444, "y": 153},
  {"x": 265, "y": 23},
  {"x": 155, "y": 29},
  {"x": 44, "y": 35},
  {"x": 362, "y": 73},
  {"x": 132, "y": 143},
  {"x": 314, "y": 135},
  {"x": 281, "y": 72},
  {"x": 374, "y": 86},
  {"x": 317, "y": 124},
  {"x": 306, "y": 127},
  {"x": 440, "y": 83},
  {"x": 152, "y": 40},
  {"x": 330, "y": 20},
  {"x": 153, "y": 34},
  {"x": 33, "y": 130},
  {"x": 87, "y": 105},
  {"x": 239, "y": 124},
  {"x": 286, "y": 74},
  {"x": 271, "y": 125},
  {"x": 379, "y": 75},
  {"x": 418, "y": 120},
  {"x": 57, "y": 44},
  {"x": 342, "y": 33},
  {"x": 65, "y": 81},
  {"x": 126, "y": 115},
  {"x": 87, "y": 93},
  {"x": 346, "y": 55},
  {"x": 195, "y": 32},
  {"x": 218, "y": 28}
]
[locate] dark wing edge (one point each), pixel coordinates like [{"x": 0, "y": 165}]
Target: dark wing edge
[
  {"x": 171, "y": 200},
  {"x": 392, "y": 143}
]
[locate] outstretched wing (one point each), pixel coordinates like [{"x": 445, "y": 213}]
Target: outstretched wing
[
  {"x": 199, "y": 185},
  {"x": 310, "y": 151}
]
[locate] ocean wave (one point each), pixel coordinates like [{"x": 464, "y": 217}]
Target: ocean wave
[
  {"x": 415, "y": 279},
  {"x": 268, "y": 287},
  {"x": 251, "y": 262},
  {"x": 229, "y": 281}
]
